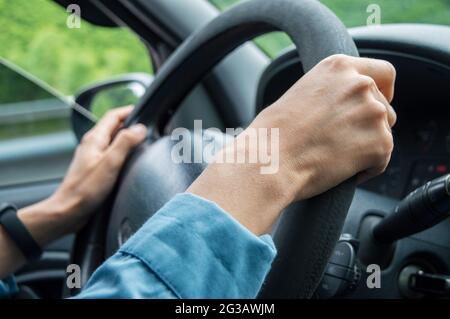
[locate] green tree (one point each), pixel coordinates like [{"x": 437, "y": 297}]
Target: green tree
[{"x": 34, "y": 35}]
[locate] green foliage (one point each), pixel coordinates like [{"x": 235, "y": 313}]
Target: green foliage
[
  {"x": 15, "y": 88},
  {"x": 35, "y": 36},
  {"x": 353, "y": 13}
]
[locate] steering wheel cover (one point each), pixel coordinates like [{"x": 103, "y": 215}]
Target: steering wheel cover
[{"x": 304, "y": 240}]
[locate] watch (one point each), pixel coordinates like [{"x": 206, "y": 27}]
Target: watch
[{"x": 17, "y": 231}]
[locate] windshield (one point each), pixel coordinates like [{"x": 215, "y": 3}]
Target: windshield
[{"x": 363, "y": 12}]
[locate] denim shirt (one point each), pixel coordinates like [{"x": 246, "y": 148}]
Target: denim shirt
[{"x": 191, "y": 248}]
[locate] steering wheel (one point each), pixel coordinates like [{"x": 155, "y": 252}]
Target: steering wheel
[{"x": 307, "y": 232}]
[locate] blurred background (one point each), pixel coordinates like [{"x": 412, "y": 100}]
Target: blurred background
[
  {"x": 35, "y": 37},
  {"x": 354, "y": 13}
]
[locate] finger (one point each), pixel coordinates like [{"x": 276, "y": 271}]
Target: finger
[
  {"x": 107, "y": 127},
  {"x": 124, "y": 142},
  {"x": 378, "y": 166},
  {"x": 391, "y": 115},
  {"x": 383, "y": 73}
]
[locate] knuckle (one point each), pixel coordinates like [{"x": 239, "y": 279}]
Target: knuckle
[
  {"x": 384, "y": 149},
  {"x": 87, "y": 138},
  {"x": 110, "y": 159},
  {"x": 126, "y": 136},
  {"x": 337, "y": 61},
  {"x": 388, "y": 144},
  {"x": 377, "y": 110},
  {"x": 364, "y": 83},
  {"x": 394, "y": 117}
]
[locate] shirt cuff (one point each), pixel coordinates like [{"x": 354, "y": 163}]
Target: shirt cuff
[
  {"x": 200, "y": 251},
  {"x": 8, "y": 287}
]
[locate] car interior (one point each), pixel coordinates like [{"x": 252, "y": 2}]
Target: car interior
[{"x": 224, "y": 79}]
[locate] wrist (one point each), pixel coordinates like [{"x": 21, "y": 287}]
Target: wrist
[
  {"x": 296, "y": 172},
  {"x": 62, "y": 204},
  {"x": 42, "y": 221},
  {"x": 252, "y": 198},
  {"x": 51, "y": 218},
  {"x": 67, "y": 210}
]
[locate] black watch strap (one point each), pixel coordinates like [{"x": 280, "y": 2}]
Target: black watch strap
[{"x": 18, "y": 232}]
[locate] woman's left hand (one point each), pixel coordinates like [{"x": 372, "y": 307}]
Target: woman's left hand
[
  {"x": 95, "y": 167},
  {"x": 91, "y": 177}
]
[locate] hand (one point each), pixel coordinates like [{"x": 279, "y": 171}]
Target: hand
[
  {"x": 95, "y": 167},
  {"x": 334, "y": 123},
  {"x": 91, "y": 176}
]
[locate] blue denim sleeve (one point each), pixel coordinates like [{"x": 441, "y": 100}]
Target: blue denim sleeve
[
  {"x": 8, "y": 287},
  {"x": 191, "y": 248}
]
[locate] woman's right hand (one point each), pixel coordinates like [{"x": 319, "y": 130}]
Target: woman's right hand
[{"x": 334, "y": 123}]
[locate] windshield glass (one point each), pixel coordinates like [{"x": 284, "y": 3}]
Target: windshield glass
[{"x": 364, "y": 12}]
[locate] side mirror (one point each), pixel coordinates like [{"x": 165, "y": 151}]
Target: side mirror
[{"x": 101, "y": 97}]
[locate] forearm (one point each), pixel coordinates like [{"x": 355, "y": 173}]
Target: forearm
[{"x": 45, "y": 222}]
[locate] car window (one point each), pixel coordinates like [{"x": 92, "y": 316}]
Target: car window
[
  {"x": 43, "y": 43},
  {"x": 24, "y": 101},
  {"x": 36, "y": 141},
  {"x": 48, "y": 42},
  {"x": 362, "y": 12}
]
